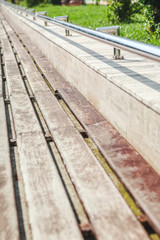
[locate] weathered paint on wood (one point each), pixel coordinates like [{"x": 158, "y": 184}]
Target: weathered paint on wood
[
  {"x": 52, "y": 75},
  {"x": 82, "y": 109},
  {"x": 46, "y": 101},
  {"x": 92, "y": 64},
  {"x": 9, "y": 228},
  {"x": 88, "y": 176},
  {"x": 137, "y": 175},
  {"x": 52, "y": 110},
  {"x": 31, "y": 47},
  {"x": 107, "y": 210},
  {"x": 49, "y": 211}
]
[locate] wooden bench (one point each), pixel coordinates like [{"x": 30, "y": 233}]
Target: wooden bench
[
  {"x": 94, "y": 187},
  {"x": 8, "y": 214},
  {"x": 49, "y": 211},
  {"x": 137, "y": 175},
  {"x": 50, "y": 214}
]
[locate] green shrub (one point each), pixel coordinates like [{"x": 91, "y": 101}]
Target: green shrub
[
  {"x": 31, "y": 3},
  {"x": 120, "y": 10},
  {"x": 153, "y": 3},
  {"x": 152, "y": 16},
  {"x": 56, "y": 2}
]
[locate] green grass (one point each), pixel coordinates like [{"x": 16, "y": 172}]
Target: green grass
[{"x": 95, "y": 16}]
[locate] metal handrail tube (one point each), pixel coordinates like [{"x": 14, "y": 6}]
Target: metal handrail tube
[
  {"x": 143, "y": 49},
  {"x": 139, "y": 48}
]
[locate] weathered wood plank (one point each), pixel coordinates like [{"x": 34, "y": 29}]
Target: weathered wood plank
[
  {"x": 139, "y": 178},
  {"x": 52, "y": 111},
  {"x": 41, "y": 91},
  {"x": 137, "y": 175},
  {"x": 52, "y": 75},
  {"x": 107, "y": 210},
  {"x": 56, "y": 120},
  {"x": 88, "y": 176},
  {"x": 30, "y": 69},
  {"x": 30, "y": 45},
  {"x": 23, "y": 113},
  {"x": 9, "y": 228},
  {"x": 12, "y": 73},
  {"x": 81, "y": 108},
  {"x": 50, "y": 213}
]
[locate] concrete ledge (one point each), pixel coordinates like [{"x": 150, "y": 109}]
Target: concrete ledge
[{"x": 126, "y": 92}]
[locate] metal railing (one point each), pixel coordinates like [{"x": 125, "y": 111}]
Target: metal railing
[
  {"x": 115, "y": 30},
  {"x": 143, "y": 49}
]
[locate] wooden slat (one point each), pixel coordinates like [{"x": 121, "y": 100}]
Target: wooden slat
[
  {"x": 137, "y": 175},
  {"x": 105, "y": 206},
  {"x": 52, "y": 110},
  {"x": 9, "y": 228},
  {"x": 49, "y": 211},
  {"x": 75, "y": 154},
  {"x": 52, "y": 75},
  {"x": 12, "y": 73},
  {"x": 107, "y": 210},
  {"x": 30, "y": 68},
  {"x": 30, "y": 46},
  {"x": 54, "y": 78},
  {"x": 41, "y": 91},
  {"x": 82, "y": 109}
]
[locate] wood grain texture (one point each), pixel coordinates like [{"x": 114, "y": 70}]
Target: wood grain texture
[
  {"x": 54, "y": 78},
  {"x": 9, "y": 228},
  {"x": 50, "y": 213},
  {"x": 107, "y": 210},
  {"x": 52, "y": 110},
  {"x": 45, "y": 99},
  {"x": 62, "y": 128},
  {"x": 52, "y": 75},
  {"x": 81, "y": 108},
  {"x": 139, "y": 178},
  {"x": 38, "y": 83},
  {"x": 137, "y": 175},
  {"x": 13, "y": 74},
  {"x": 30, "y": 46},
  {"x": 23, "y": 113}
]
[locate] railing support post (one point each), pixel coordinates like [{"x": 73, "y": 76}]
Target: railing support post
[
  {"x": 115, "y": 30},
  {"x": 65, "y": 19},
  {"x": 44, "y": 13}
]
